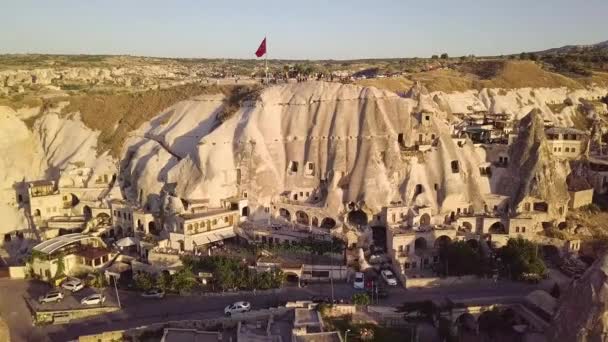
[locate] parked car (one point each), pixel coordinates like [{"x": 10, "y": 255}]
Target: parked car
[
  {"x": 389, "y": 277},
  {"x": 359, "y": 282},
  {"x": 53, "y": 296},
  {"x": 73, "y": 285},
  {"x": 154, "y": 293},
  {"x": 93, "y": 299},
  {"x": 237, "y": 307}
]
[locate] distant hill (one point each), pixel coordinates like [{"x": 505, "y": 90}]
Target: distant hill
[{"x": 603, "y": 46}]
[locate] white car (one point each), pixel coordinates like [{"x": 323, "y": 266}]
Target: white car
[
  {"x": 93, "y": 299},
  {"x": 53, "y": 296},
  {"x": 359, "y": 282},
  {"x": 389, "y": 277},
  {"x": 237, "y": 307},
  {"x": 73, "y": 285},
  {"x": 154, "y": 293}
]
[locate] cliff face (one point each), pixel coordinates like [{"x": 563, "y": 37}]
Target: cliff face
[
  {"x": 340, "y": 143},
  {"x": 582, "y": 314},
  {"x": 533, "y": 167},
  {"x": 340, "y": 140}
]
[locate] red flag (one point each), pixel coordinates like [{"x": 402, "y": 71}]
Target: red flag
[{"x": 261, "y": 51}]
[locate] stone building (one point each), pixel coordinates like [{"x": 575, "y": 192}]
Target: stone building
[{"x": 566, "y": 143}]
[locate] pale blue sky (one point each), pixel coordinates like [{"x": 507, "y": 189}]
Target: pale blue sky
[{"x": 305, "y": 29}]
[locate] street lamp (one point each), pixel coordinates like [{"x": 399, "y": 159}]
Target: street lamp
[{"x": 346, "y": 335}]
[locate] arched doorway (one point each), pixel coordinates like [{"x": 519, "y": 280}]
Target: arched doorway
[
  {"x": 182, "y": 245},
  {"x": 245, "y": 211},
  {"x": 302, "y": 218},
  {"x": 152, "y": 228},
  {"x": 328, "y": 223},
  {"x": 425, "y": 220},
  {"x": 119, "y": 231},
  {"x": 292, "y": 278},
  {"x": 442, "y": 241},
  {"x": 37, "y": 212},
  {"x": 74, "y": 200},
  {"x": 467, "y": 227},
  {"x": 86, "y": 211},
  {"x": 358, "y": 217},
  {"x": 315, "y": 222},
  {"x": 284, "y": 213},
  {"x": 420, "y": 244},
  {"x": 497, "y": 228},
  {"x": 140, "y": 226}
]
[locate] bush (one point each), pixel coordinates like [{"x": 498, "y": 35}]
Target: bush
[
  {"x": 521, "y": 257},
  {"x": 361, "y": 299},
  {"x": 144, "y": 281},
  {"x": 458, "y": 258}
]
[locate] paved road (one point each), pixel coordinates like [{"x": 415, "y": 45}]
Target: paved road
[{"x": 138, "y": 311}]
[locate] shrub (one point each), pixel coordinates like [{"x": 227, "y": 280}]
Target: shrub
[
  {"x": 144, "y": 281},
  {"x": 361, "y": 299}
]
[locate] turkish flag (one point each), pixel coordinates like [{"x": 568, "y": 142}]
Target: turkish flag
[{"x": 261, "y": 51}]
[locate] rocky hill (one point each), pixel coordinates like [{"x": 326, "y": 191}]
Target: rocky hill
[
  {"x": 209, "y": 141},
  {"x": 581, "y": 314}
]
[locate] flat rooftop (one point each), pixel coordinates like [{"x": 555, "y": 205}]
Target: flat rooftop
[
  {"x": 207, "y": 213},
  {"x": 190, "y": 335},
  {"x": 305, "y": 316},
  {"x": 332, "y": 336}
]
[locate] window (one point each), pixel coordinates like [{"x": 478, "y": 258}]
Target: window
[
  {"x": 309, "y": 169},
  {"x": 293, "y": 166},
  {"x": 455, "y": 166},
  {"x": 214, "y": 222},
  {"x": 523, "y": 229},
  {"x": 406, "y": 265},
  {"x": 527, "y": 207},
  {"x": 226, "y": 219},
  {"x": 400, "y": 248},
  {"x": 407, "y": 249},
  {"x": 517, "y": 229},
  {"x": 573, "y": 150},
  {"x": 567, "y": 149}
]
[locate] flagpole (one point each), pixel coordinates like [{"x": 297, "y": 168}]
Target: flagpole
[{"x": 266, "y": 60}]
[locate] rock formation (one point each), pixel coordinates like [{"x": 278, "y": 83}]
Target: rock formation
[{"x": 582, "y": 314}]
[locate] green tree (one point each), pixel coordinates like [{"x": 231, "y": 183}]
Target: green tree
[
  {"x": 519, "y": 257},
  {"x": 360, "y": 299},
  {"x": 183, "y": 280},
  {"x": 444, "y": 56},
  {"x": 434, "y": 57},
  {"x": 60, "y": 267},
  {"x": 459, "y": 258},
  {"x": 165, "y": 281},
  {"x": 144, "y": 281}
]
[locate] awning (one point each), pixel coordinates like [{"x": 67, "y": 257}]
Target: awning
[{"x": 126, "y": 242}]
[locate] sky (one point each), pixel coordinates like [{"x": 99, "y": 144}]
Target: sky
[{"x": 304, "y": 29}]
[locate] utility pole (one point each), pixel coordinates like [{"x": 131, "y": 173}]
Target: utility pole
[
  {"x": 116, "y": 289},
  {"x": 331, "y": 274}
]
